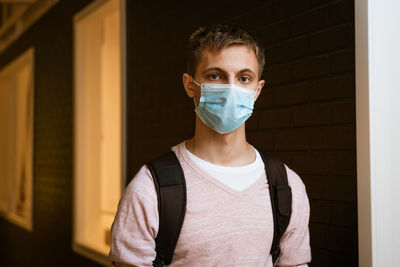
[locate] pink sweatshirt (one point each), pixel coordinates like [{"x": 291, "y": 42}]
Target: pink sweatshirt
[{"x": 222, "y": 227}]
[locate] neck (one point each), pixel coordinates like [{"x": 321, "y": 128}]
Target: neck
[{"x": 229, "y": 149}]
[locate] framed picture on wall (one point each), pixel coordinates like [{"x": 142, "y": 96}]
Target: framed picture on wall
[
  {"x": 99, "y": 123},
  {"x": 16, "y": 140}
]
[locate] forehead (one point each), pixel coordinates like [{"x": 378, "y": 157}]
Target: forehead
[{"x": 231, "y": 58}]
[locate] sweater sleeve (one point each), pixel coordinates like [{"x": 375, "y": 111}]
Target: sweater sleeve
[
  {"x": 135, "y": 225},
  {"x": 295, "y": 243}
]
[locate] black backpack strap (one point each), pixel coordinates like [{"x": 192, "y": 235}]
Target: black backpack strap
[
  {"x": 281, "y": 200},
  {"x": 171, "y": 193}
]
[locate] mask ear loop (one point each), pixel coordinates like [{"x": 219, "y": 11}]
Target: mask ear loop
[
  {"x": 196, "y": 82},
  {"x": 256, "y": 93},
  {"x": 194, "y": 101}
]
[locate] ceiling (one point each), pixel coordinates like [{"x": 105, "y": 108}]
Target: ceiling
[
  {"x": 16, "y": 16},
  {"x": 10, "y": 8}
]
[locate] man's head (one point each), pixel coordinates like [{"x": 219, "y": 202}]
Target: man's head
[
  {"x": 229, "y": 62},
  {"x": 217, "y": 37}
]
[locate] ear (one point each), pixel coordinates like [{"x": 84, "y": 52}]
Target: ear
[
  {"x": 189, "y": 85},
  {"x": 260, "y": 85}
]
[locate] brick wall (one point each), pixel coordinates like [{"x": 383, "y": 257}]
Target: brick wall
[
  {"x": 305, "y": 114},
  {"x": 50, "y": 243}
]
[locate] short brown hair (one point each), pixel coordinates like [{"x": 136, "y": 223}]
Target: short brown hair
[{"x": 220, "y": 36}]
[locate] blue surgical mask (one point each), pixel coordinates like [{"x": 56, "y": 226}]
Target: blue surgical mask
[{"x": 224, "y": 107}]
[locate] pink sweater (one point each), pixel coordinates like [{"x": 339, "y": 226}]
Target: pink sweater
[{"x": 222, "y": 227}]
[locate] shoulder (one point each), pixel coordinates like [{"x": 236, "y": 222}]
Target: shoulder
[
  {"x": 138, "y": 204},
  {"x": 295, "y": 243},
  {"x": 295, "y": 182},
  {"x": 141, "y": 187},
  {"x": 141, "y": 180},
  {"x": 143, "y": 183},
  {"x": 135, "y": 225},
  {"x": 300, "y": 202}
]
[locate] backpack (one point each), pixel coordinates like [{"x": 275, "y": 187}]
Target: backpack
[{"x": 170, "y": 186}]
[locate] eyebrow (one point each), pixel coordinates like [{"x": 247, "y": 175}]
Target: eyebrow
[
  {"x": 247, "y": 70},
  {"x": 213, "y": 68},
  {"x": 221, "y": 70}
]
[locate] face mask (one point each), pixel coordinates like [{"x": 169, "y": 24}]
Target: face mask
[{"x": 224, "y": 107}]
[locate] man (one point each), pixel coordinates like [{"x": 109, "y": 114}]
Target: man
[{"x": 228, "y": 219}]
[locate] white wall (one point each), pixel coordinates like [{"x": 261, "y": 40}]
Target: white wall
[{"x": 378, "y": 131}]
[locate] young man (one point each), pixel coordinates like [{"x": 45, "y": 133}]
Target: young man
[{"x": 228, "y": 219}]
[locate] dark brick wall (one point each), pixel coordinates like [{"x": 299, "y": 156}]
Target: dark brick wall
[
  {"x": 305, "y": 114},
  {"x": 51, "y": 241}
]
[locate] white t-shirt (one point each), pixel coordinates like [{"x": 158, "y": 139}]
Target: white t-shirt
[{"x": 237, "y": 178}]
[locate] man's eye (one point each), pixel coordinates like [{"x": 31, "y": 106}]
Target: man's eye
[
  {"x": 213, "y": 76},
  {"x": 244, "y": 79}
]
